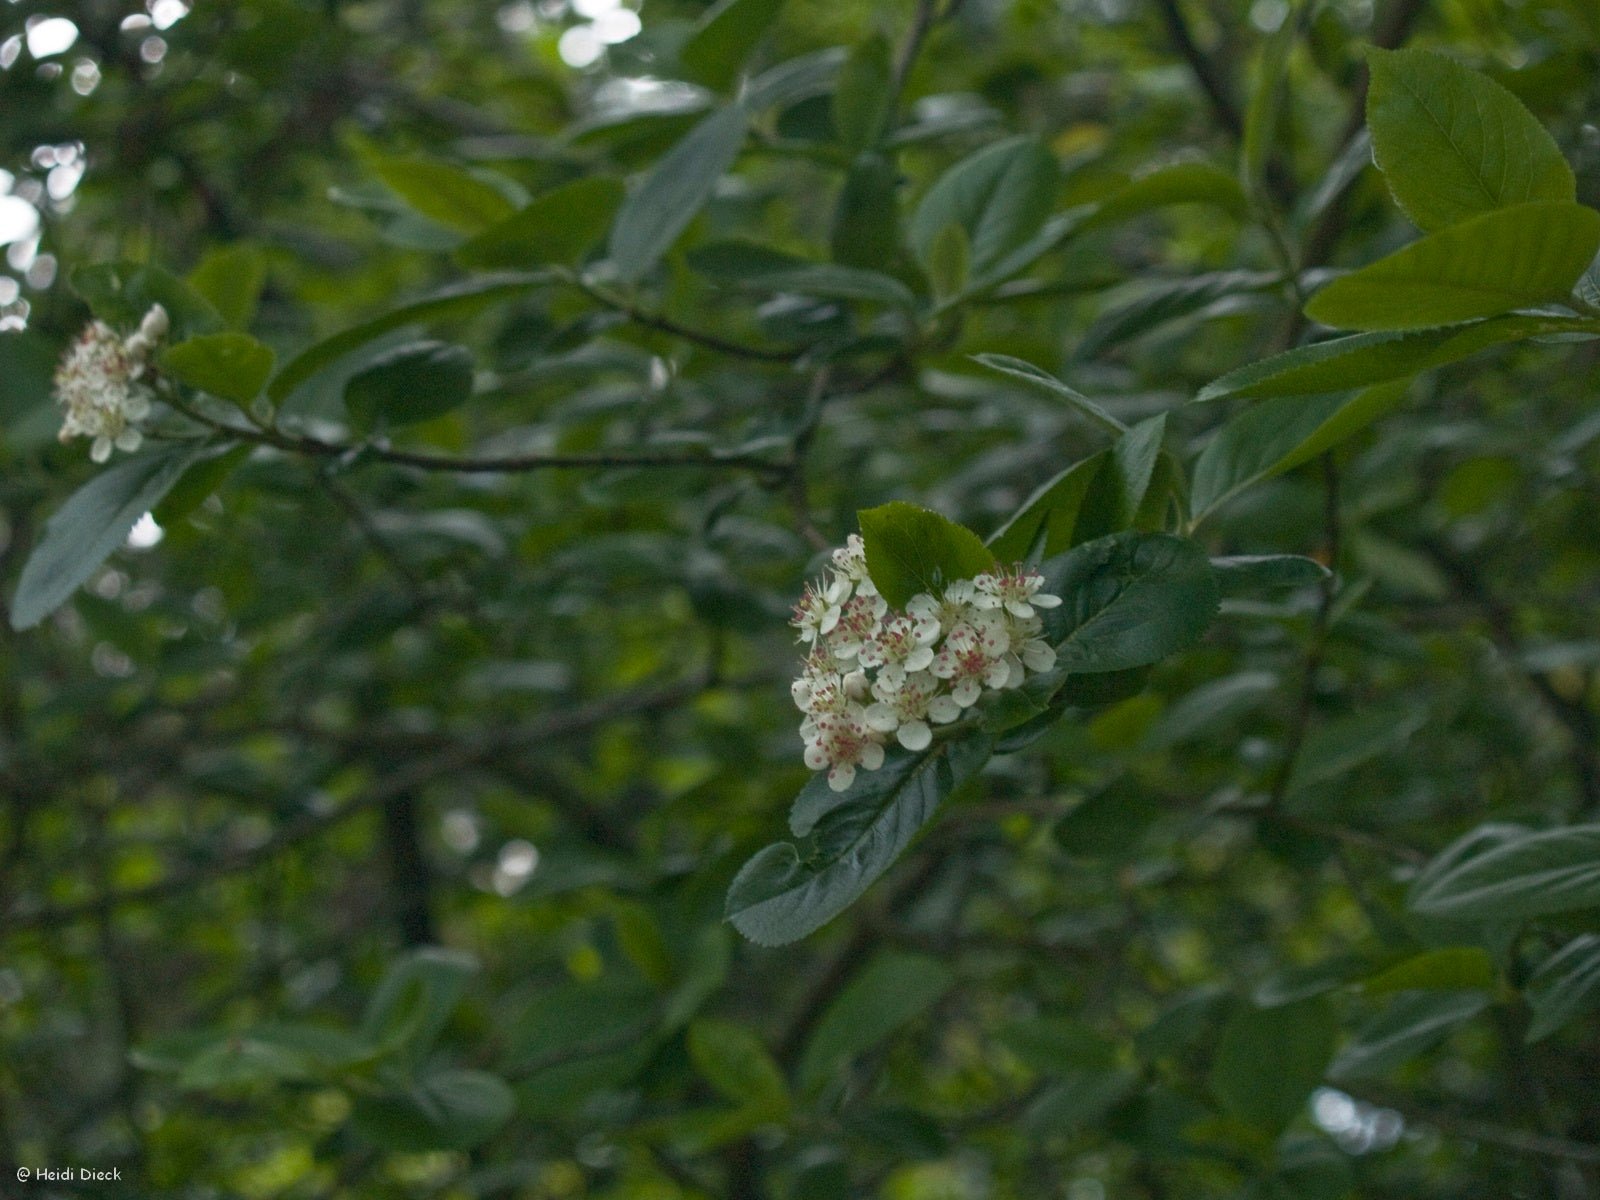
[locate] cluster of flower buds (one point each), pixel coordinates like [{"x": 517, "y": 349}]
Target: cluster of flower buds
[
  {"x": 101, "y": 384},
  {"x": 872, "y": 672}
]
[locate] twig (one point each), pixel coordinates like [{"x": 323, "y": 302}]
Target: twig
[
  {"x": 664, "y": 324},
  {"x": 1518, "y": 1141},
  {"x": 1205, "y": 71},
  {"x": 504, "y": 464}
]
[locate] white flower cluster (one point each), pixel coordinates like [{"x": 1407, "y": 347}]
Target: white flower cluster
[
  {"x": 100, "y": 384},
  {"x": 871, "y": 671}
]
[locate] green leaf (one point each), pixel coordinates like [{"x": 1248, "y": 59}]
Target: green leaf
[
  {"x": 410, "y": 383},
  {"x": 1111, "y": 824},
  {"x": 912, "y": 550},
  {"x": 443, "y": 1110},
  {"x": 782, "y": 894},
  {"x": 1263, "y": 118},
  {"x": 1289, "y": 984},
  {"x": 1051, "y": 513},
  {"x": 866, "y": 219},
  {"x": 1565, "y": 987},
  {"x": 415, "y": 998},
  {"x": 794, "y": 79},
  {"x": 1176, "y": 183},
  {"x": 862, "y": 94},
  {"x": 458, "y": 300},
  {"x": 448, "y": 194},
  {"x": 1452, "y": 143},
  {"x": 1489, "y": 264},
  {"x": 1104, "y": 494},
  {"x": 723, "y": 38},
  {"x": 1269, "y": 1059},
  {"x": 1334, "y": 748},
  {"x": 230, "y": 279},
  {"x": 558, "y": 226},
  {"x": 203, "y": 478},
  {"x": 1057, "y": 1045},
  {"x": 1250, "y": 574},
  {"x": 733, "y": 1060},
  {"x": 1211, "y": 706},
  {"x": 1046, "y": 382},
  {"x": 661, "y": 207},
  {"x": 833, "y": 282},
  {"x": 816, "y": 799},
  {"x": 573, "y": 1020},
  {"x": 266, "y": 1053},
  {"x": 1529, "y": 875},
  {"x": 1412, "y": 1023},
  {"x": 1364, "y": 359},
  {"x": 232, "y": 365},
  {"x": 891, "y": 990},
  {"x": 93, "y": 522},
  {"x": 1275, "y": 436},
  {"x": 998, "y": 197},
  {"x": 949, "y": 261},
  {"x": 1168, "y": 300},
  {"x": 1117, "y": 494},
  {"x": 1127, "y": 601},
  {"x": 120, "y": 293},
  {"x": 1449, "y": 968}
]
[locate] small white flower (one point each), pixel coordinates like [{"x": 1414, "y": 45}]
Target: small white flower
[
  {"x": 841, "y": 742},
  {"x": 859, "y": 622},
  {"x": 905, "y": 642},
  {"x": 954, "y": 607},
  {"x": 815, "y": 615},
  {"x": 905, "y": 708},
  {"x": 99, "y": 385},
  {"x": 973, "y": 658},
  {"x": 1029, "y": 651},
  {"x": 850, "y": 561},
  {"x": 872, "y": 671},
  {"x": 1016, "y": 591}
]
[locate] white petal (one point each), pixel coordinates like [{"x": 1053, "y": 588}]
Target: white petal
[
  {"x": 942, "y": 710},
  {"x": 816, "y": 757},
  {"x": 1019, "y": 608},
  {"x": 841, "y": 777},
  {"x": 966, "y": 693},
  {"x": 872, "y": 756},
  {"x": 998, "y": 674},
  {"x": 1045, "y": 600},
  {"x": 129, "y": 440},
  {"x": 915, "y": 735},
  {"x": 882, "y": 718},
  {"x": 101, "y": 450},
  {"x": 155, "y": 323},
  {"x": 919, "y": 659},
  {"x": 1040, "y": 656}
]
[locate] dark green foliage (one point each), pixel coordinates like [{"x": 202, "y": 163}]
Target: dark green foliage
[{"x": 416, "y": 808}]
